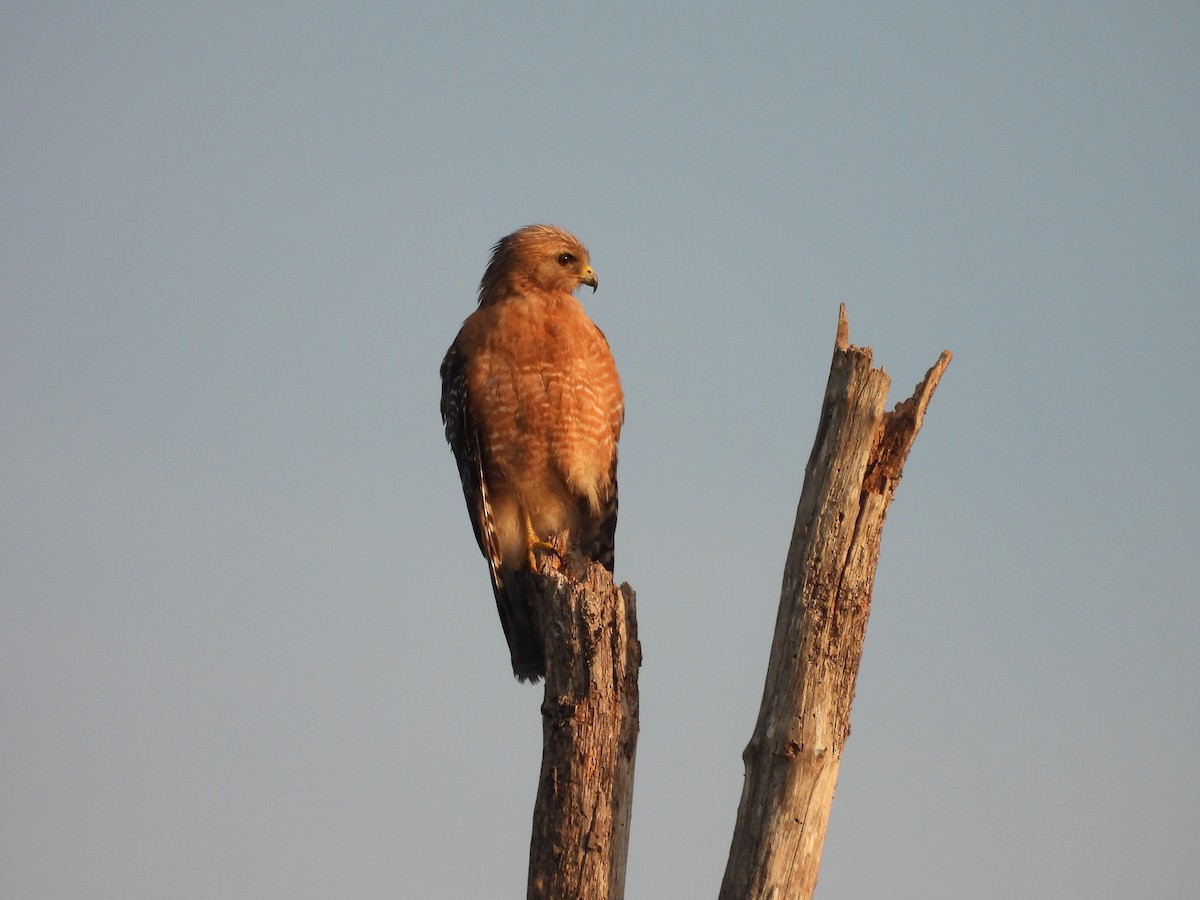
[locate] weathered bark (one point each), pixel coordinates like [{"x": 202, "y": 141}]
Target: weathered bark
[
  {"x": 589, "y": 732},
  {"x": 793, "y": 756}
]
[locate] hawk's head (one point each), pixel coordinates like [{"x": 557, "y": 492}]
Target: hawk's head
[{"x": 537, "y": 258}]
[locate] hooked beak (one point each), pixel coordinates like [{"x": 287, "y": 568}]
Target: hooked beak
[{"x": 589, "y": 278}]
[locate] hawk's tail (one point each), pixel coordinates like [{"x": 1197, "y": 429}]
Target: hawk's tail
[{"x": 516, "y": 616}]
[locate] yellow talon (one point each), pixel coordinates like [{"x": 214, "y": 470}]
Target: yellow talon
[{"x": 534, "y": 543}]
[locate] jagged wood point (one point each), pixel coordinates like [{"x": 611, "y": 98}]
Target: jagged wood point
[{"x": 794, "y": 754}]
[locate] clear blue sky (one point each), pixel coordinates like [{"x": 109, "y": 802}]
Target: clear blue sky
[{"x": 247, "y": 644}]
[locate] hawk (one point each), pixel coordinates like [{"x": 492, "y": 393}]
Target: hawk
[{"x": 533, "y": 410}]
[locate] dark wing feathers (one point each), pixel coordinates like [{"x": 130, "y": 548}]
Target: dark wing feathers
[
  {"x": 463, "y": 437},
  {"x": 598, "y": 541},
  {"x": 512, "y": 602}
]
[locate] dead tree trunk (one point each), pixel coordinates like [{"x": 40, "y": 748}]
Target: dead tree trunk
[
  {"x": 589, "y": 732},
  {"x": 793, "y": 756}
]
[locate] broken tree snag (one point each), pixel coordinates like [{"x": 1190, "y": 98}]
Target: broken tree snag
[
  {"x": 589, "y": 731},
  {"x": 793, "y": 756}
]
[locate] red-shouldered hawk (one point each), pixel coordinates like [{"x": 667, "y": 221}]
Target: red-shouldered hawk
[{"x": 533, "y": 409}]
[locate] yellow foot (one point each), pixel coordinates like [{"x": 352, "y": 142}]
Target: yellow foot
[{"x": 534, "y": 544}]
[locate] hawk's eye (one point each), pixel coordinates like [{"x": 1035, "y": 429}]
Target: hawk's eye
[{"x": 565, "y": 259}]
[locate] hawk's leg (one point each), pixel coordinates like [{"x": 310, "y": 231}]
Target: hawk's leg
[{"x": 533, "y": 544}]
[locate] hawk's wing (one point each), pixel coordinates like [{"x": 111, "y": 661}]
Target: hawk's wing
[
  {"x": 599, "y": 543},
  {"x": 464, "y": 438},
  {"x": 597, "y": 539}
]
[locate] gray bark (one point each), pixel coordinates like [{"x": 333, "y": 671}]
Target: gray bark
[
  {"x": 793, "y": 757},
  {"x": 589, "y": 731}
]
